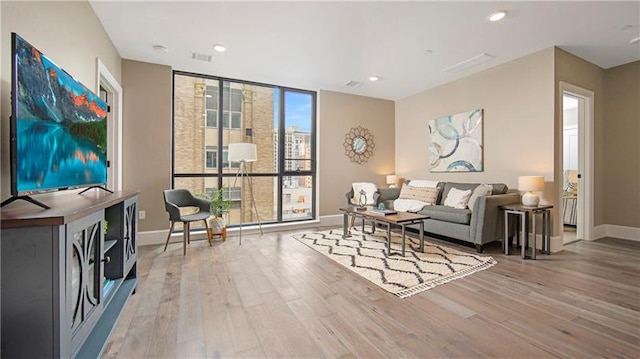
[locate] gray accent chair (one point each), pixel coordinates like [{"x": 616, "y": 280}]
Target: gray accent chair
[
  {"x": 176, "y": 198},
  {"x": 482, "y": 224},
  {"x": 349, "y": 195}
]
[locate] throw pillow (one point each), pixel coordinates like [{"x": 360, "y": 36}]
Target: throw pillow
[
  {"x": 480, "y": 191},
  {"x": 429, "y": 195},
  {"x": 457, "y": 198},
  {"x": 368, "y": 187}
]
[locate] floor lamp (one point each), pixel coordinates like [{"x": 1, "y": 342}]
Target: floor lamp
[{"x": 243, "y": 153}]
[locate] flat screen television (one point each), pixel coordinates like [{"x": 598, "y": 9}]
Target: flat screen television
[{"x": 58, "y": 126}]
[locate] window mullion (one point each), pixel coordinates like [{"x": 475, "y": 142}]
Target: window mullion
[{"x": 220, "y": 132}]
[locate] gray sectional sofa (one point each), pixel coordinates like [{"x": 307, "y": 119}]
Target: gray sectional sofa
[{"x": 482, "y": 224}]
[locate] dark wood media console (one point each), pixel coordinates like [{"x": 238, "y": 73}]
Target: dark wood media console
[{"x": 67, "y": 272}]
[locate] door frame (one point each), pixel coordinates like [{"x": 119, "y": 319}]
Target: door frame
[
  {"x": 586, "y": 157},
  {"x": 107, "y": 81}
]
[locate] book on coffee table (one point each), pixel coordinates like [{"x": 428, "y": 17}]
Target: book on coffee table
[{"x": 384, "y": 212}]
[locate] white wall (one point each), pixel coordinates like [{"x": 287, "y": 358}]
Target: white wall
[{"x": 517, "y": 98}]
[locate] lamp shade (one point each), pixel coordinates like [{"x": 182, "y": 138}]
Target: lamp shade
[
  {"x": 531, "y": 183},
  {"x": 391, "y": 179},
  {"x": 572, "y": 176},
  {"x": 243, "y": 152}
]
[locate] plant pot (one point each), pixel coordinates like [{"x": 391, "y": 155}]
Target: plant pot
[{"x": 218, "y": 227}]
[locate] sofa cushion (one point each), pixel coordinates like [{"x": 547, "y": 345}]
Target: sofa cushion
[
  {"x": 447, "y": 214},
  {"x": 422, "y": 183},
  {"x": 498, "y": 188}
]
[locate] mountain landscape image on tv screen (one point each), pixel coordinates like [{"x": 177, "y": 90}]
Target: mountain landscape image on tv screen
[{"x": 61, "y": 128}]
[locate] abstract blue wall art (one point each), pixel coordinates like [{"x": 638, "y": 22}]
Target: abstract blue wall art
[{"x": 456, "y": 142}]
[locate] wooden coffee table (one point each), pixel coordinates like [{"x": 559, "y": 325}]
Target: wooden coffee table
[{"x": 400, "y": 219}]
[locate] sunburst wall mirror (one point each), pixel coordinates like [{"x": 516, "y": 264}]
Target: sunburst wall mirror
[{"x": 359, "y": 145}]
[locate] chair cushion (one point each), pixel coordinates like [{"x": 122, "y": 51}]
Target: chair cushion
[
  {"x": 195, "y": 217},
  {"x": 188, "y": 210},
  {"x": 448, "y": 214}
]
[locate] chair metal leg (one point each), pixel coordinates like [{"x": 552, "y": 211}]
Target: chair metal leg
[
  {"x": 206, "y": 225},
  {"x": 185, "y": 237},
  {"x": 169, "y": 236}
]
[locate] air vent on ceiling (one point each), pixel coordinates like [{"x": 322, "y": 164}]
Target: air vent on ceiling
[
  {"x": 469, "y": 63},
  {"x": 201, "y": 57},
  {"x": 353, "y": 84}
]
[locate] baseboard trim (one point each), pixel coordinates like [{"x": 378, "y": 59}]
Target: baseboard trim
[
  {"x": 150, "y": 238},
  {"x": 332, "y": 220},
  {"x": 622, "y": 232},
  {"x": 557, "y": 243},
  {"x": 599, "y": 232}
]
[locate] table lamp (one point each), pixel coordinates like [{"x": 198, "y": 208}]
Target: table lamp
[
  {"x": 391, "y": 180},
  {"x": 530, "y": 184}
]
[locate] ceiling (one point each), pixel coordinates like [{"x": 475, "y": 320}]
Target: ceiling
[{"x": 323, "y": 45}]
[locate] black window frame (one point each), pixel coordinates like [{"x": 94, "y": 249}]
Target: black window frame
[{"x": 281, "y": 130}]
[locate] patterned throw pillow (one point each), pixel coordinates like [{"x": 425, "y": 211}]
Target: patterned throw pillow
[
  {"x": 429, "y": 195},
  {"x": 368, "y": 187}
]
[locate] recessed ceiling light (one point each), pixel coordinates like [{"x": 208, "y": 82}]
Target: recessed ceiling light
[
  {"x": 374, "y": 78},
  {"x": 219, "y": 48},
  {"x": 160, "y": 49},
  {"x": 497, "y": 16}
]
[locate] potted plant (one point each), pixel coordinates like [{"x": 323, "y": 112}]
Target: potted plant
[{"x": 219, "y": 207}]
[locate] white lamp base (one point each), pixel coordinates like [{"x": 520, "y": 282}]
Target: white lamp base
[{"x": 530, "y": 199}]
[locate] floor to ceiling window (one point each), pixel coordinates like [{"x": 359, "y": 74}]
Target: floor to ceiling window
[{"x": 210, "y": 113}]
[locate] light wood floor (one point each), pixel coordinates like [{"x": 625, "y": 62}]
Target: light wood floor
[{"x": 275, "y": 297}]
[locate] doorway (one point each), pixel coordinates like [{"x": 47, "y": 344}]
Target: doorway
[
  {"x": 576, "y": 212},
  {"x": 111, "y": 92}
]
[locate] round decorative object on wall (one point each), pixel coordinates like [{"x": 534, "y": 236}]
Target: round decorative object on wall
[{"x": 358, "y": 145}]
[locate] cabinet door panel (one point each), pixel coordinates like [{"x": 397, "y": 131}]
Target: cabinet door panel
[
  {"x": 130, "y": 233},
  {"x": 84, "y": 273}
]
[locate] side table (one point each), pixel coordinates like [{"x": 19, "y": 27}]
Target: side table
[{"x": 525, "y": 215}]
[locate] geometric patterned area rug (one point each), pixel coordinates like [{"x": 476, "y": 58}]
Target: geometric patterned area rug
[{"x": 366, "y": 255}]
